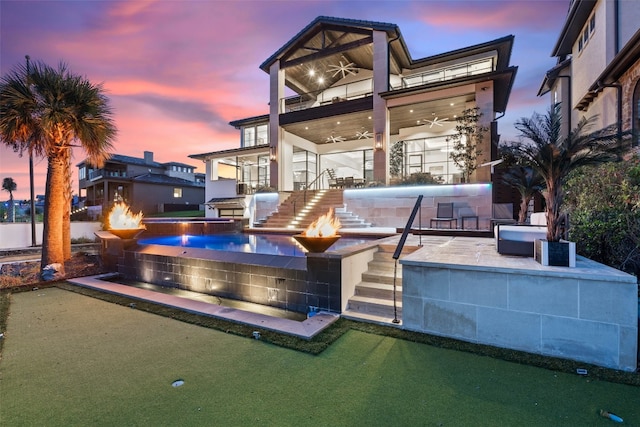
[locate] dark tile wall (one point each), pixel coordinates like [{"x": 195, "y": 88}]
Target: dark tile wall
[
  {"x": 291, "y": 289},
  {"x": 202, "y": 226}
]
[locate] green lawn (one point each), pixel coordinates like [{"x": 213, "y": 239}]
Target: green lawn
[{"x": 69, "y": 359}]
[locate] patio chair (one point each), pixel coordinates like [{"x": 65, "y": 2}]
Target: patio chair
[
  {"x": 502, "y": 214},
  {"x": 444, "y": 213},
  {"x": 349, "y": 182}
]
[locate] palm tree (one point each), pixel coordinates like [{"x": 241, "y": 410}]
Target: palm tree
[
  {"x": 554, "y": 156},
  {"x": 527, "y": 182},
  {"x": 47, "y": 111},
  {"x": 8, "y": 184}
]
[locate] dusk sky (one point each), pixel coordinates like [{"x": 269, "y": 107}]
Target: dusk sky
[{"x": 177, "y": 72}]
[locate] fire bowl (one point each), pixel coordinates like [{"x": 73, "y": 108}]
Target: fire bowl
[
  {"x": 126, "y": 233},
  {"x": 316, "y": 244}
]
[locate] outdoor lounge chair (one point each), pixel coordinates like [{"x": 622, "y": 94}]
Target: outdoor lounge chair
[
  {"x": 444, "y": 214},
  {"x": 502, "y": 214}
]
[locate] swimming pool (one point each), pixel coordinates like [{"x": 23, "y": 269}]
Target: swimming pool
[{"x": 269, "y": 244}]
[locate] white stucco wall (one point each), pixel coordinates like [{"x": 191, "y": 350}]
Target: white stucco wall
[{"x": 18, "y": 235}]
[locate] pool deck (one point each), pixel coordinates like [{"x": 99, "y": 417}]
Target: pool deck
[{"x": 306, "y": 329}]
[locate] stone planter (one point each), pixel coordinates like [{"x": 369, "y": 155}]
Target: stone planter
[{"x": 558, "y": 254}]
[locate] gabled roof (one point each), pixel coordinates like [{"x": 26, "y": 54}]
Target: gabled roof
[
  {"x": 264, "y": 118},
  {"x": 503, "y": 46},
  {"x": 552, "y": 75},
  {"x": 128, "y": 160},
  {"x": 579, "y": 12},
  {"x": 326, "y": 21},
  {"x": 244, "y": 151}
]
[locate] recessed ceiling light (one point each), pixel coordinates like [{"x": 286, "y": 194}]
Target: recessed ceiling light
[
  {"x": 337, "y": 123},
  {"x": 320, "y": 80},
  {"x": 312, "y": 72},
  {"x": 369, "y": 117},
  {"x": 451, "y": 104},
  {"x": 306, "y": 128},
  {"x": 411, "y": 111}
]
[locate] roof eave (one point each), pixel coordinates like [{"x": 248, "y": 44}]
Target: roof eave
[{"x": 578, "y": 15}]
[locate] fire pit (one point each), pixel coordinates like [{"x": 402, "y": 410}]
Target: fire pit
[
  {"x": 123, "y": 223},
  {"x": 321, "y": 234}
]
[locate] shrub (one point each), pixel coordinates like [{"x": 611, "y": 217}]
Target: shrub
[{"x": 604, "y": 207}]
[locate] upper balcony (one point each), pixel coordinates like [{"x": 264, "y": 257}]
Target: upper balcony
[
  {"x": 443, "y": 74},
  {"x": 96, "y": 174},
  {"x": 364, "y": 88},
  {"x": 331, "y": 95}
]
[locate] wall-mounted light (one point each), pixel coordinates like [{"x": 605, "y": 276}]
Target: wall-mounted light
[
  {"x": 378, "y": 143},
  {"x": 273, "y": 154}
]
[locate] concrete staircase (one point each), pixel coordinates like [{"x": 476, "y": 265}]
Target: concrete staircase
[
  {"x": 299, "y": 210},
  {"x": 373, "y": 299}
]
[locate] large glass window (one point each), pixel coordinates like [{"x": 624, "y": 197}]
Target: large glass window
[
  {"x": 304, "y": 168},
  {"x": 432, "y": 156},
  {"x": 354, "y": 168},
  {"x": 255, "y": 135}
]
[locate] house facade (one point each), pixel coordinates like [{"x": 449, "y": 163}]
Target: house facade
[
  {"x": 346, "y": 94},
  {"x": 598, "y": 68},
  {"x": 144, "y": 184}
]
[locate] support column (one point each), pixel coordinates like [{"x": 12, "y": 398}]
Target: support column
[
  {"x": 380, "y": 111},
  {"x": 484, "y": 101},
  {"x": 276, "y": 102}
]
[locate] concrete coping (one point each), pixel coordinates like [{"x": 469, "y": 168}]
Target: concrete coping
[
  {"x": 306, "y": 329},
  {"x": 469, "y": 253}
]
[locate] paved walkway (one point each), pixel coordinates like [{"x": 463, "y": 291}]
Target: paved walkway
[{"x": 306, "y": 329}]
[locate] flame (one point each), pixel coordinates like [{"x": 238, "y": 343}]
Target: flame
[
  {"x": 325, "y": 226},
  {"x": 121, "y": 218}
]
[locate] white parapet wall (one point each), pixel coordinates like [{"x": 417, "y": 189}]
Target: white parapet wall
[
  {"x": 18, "y": 235},
  {"x": 588, "y": 313},
  {"x": 391, "y": 206}
]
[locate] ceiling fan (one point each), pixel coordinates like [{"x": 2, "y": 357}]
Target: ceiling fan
[
  {"x": 364, "y": 134},
  {"x": 335, "y": 139},
  {"x": 436, "y": 121},
  {"x": 349, "y": 68}
]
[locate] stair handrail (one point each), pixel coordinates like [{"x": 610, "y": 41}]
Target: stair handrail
[
  {"x": 398, "y": 251},
  {"x": 304, "y": 193}
]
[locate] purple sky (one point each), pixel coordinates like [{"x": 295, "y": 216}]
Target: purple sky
[{"x": 177, "y": 72}]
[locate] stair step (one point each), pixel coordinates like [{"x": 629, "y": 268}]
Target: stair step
[
  {"x": 370, "y": 318},
  {"x": 381, "y": 277},
  {"x": 378, "y": 290},
  {"x": 375, "y": 306}
]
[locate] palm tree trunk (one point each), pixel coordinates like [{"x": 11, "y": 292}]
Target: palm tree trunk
[
  {"x": 52, "y": 248},
  {"x": 553, "y": 198},
  {"x": 66, "y": 213},
  {"x": 524, "y": 206}
]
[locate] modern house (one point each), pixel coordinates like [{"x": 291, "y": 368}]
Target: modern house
[
  {"x": 343, "y": 94},
  {"x": 598, "y": 68},
  {"x": 144, "y": 184}
]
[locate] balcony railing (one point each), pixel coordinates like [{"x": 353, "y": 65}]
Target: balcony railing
[
  {"x": 447, "y": 73},
  {"x": 331, "y": 95},
  {"x": 95, "y": 174}
]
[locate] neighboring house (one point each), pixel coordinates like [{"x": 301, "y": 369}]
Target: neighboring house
[
  {"x": 356, "y": 93},
  {"x": 144, "y": 184},
  {"x": 598, "y": 70}
]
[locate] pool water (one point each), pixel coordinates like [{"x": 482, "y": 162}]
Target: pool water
[{"x": 269, "y": 244}]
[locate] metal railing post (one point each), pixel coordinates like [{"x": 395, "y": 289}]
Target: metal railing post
[{"x": 398, "y": 251}]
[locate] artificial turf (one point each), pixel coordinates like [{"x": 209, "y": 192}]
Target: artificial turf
[{"x": 69, "y": 359}]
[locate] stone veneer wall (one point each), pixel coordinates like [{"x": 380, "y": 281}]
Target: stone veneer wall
[
  {"x": 391, "y": 206},
  {"x": 290, "y": 283},
  {"x": 589, "y": 318}
]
